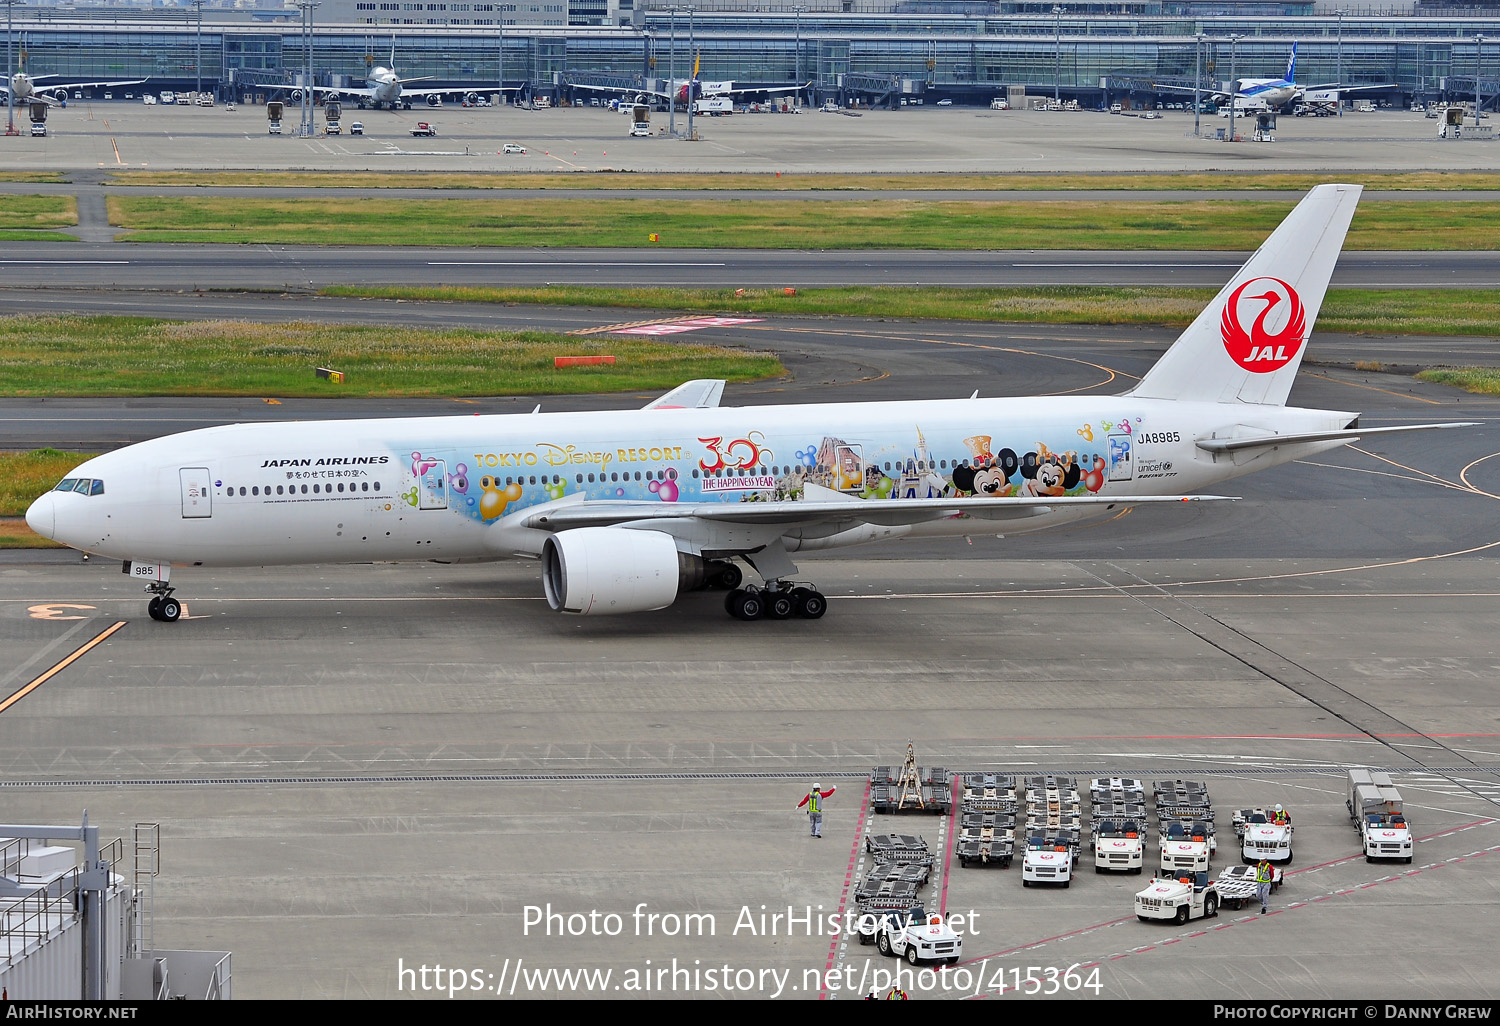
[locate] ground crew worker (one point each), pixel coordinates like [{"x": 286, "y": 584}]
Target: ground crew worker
[
  {"x": 814, "y": 803},
  {"x": 1280, "y": 816},
  {"x": 1264, "y": 874},
  {"x": 897, "y": 994}
]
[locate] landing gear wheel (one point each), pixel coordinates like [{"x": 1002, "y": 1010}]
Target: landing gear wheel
[
  {"x": 153, "y": 608},
  {"x": 779, "y": 606},
  {"x": 810, "y": 605},
  {"x": 169, "y": 611},
  {"x": 745, "y": 605}
]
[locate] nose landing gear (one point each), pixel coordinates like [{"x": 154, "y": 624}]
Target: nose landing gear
[{"x": 163, "y": 606}]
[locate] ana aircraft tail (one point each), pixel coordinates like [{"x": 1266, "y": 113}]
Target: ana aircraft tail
[
  {"x": 1291, "y": 65},
  {"x": 1247, "y": 343}
]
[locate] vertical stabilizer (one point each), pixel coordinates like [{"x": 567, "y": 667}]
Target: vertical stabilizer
[
  {"x": 1248, "y": 342},
  {"x": 1291, "y": 66}
]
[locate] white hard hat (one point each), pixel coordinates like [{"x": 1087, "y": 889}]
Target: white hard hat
[
  {"x": 817, "y": 787},
  {"x": 1278, "y": 808}
]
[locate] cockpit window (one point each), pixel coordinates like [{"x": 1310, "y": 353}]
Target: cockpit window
[
  {"x": 96, "y": 487},
  {"x": 82, "y": 487},
  {"x": 66, "y": 484}
]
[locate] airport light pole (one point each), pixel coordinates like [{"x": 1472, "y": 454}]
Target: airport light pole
[
  {"x": 500, "y": 61},
  {"x": 1478, "y": 70},
  {"x": 797, "y": 76},
  {"x": 1339, "y": 74},
  {"x": 672, "y": 73},
  {"x": 10, "y": 63},
  {"x": 1234, "y": 85},
  {"x": 693, "y": 76},
  {"x": 1197, "y": 80},
  {"x": 198, "y": 55},
  {"x": 307, "y": 127},
  {"x": 1057, "y": 54}
]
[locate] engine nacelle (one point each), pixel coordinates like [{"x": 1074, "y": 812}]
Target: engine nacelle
[
  {"x": 472, "y": 99},
  {"x": 599, "y": 570},
  {"x": 295, "y": 96},
  {"x": 434, "y": 100},
  {"x": 60, "y": 95}
]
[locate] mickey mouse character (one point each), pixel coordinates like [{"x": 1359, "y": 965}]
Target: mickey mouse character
[
  {"x": 989, "y": 481},
  {"x": 1050, "y": 474}
]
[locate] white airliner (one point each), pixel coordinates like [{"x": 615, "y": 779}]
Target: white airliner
[
  {"x": 679, "y": 89},
  {"x": 23, "y": 88},
  {"x": 1276, "y": 93},
  {"x": 629, "y": 509},
  {"x": 384, "y": 88}
]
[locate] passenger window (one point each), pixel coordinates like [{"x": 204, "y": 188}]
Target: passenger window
[
  {"x": 255, "y": 490},
  {"x": 66, "y": 484},
  {"x": 279, "y": 489},
  {"x": 97, "y": 488}
]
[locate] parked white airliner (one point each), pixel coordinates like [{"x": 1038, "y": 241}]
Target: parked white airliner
[{"x": 628, "y": 509}]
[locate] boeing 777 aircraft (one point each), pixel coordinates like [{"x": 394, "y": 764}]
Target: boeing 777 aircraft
[
  {"x": 627, "y": 510},
  {"x": 1276, "y": 93},
  {"x": 23, "y": 88}
]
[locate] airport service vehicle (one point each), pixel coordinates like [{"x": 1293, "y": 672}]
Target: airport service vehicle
[
  {"x": 829, "y": 107},
  {"x": 1047, "y": 860},
  {"x": 626, "y": 510},
  {"x": 149, "y": 99},
  {"x": 1117, "y": 108},
  {"x": 424, "y": 128},
  {"x": 1119, "y": 846},
  {"x": 1185, "y": 848},
  {"x": 512, "y": 148},
  {"x": 183, "y": 100},
  {"x": 168, "y": 97},
  {"x": 38, "y": 128},
  {"x": 872, "y": 919},
  {"x": 356, "y": 128},
  {"x": 1179, "y": 899},
  {"x": 945, "y": 103},
  {"x": 1375, "y": 807},
  {"x": 273, "y": 117},
  {"x": 205, "y": 99},
  {"x": 1237, "y": 884},
  {"x": 333, "y": 115},
  {"x": 999, "y": 104},
  {"x": 918, "y": 940},
  {"x": 640, "y": 120},
  {"x": 1261, "y": 837}
]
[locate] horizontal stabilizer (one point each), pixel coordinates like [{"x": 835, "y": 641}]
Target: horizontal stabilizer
[
  {"x": 887, "y": 512},
  {"x": 1344, "y": 434}
]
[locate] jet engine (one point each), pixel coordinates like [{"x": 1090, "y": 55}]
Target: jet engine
[
  {"x": 472, "y": 99},
  {"x": 434, "y": 100},
  {"x": 599, "y": 570},
  {"x": 295, "y": 96},
  {"x": 60, "y": 95}
]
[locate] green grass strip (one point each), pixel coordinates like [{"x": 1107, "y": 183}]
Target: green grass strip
[
  {"x": 25, "y": 475},
  {"x": 127, "y": 356},
  {"x": 808, "y": 224},
  {"x": 1424, "y": 181},
  {"x": 23, "y": 211},
  {"x": 1461, "y": 312}
]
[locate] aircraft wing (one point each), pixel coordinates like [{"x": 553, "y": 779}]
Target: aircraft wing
[
  {"x": 702, "y": 394},
  {"x": 38, "y": 92},
  {"x": 708, "y": 93},
  {"x": 791, "y": 513},
  {"x": 1333, "y": 89},
  {"x": 1206, "y": 93},
  {"x": 1344, "y": 435}
]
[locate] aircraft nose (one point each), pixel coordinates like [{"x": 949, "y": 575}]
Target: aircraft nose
[{"x": 41, "y": 517}]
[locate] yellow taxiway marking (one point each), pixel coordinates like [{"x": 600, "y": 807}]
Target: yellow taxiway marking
[{"x": 60, "y": 666}]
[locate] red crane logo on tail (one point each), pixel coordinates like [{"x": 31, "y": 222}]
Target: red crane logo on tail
[{"x": 1262, "y": 349}]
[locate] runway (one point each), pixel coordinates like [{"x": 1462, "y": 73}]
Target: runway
[{"x": 36, "y": 268}]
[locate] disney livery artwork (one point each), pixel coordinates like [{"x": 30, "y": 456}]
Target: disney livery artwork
[{"x": 628, "y": 510}]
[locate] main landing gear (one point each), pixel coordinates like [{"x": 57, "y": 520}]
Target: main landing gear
[
  {"x": 776, "y": 601},
  {"x": 163, "y": 606}
]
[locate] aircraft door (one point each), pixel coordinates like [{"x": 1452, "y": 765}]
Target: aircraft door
[
  {"x": 849, "y": 469},
  {"x": 1121, "y": 465},
  {"x": 197, "y": 492},
  {"x": 434, "y": 486}
]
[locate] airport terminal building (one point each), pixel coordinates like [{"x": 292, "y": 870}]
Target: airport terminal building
[{"x": 965, "y": 51}]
